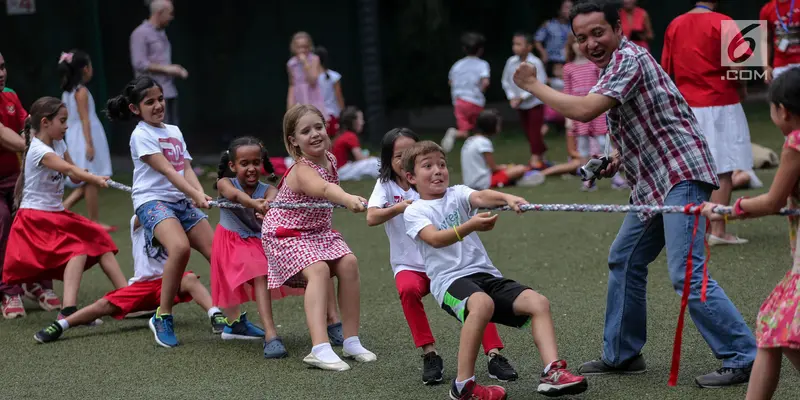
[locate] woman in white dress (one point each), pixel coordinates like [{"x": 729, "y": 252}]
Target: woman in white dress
[{"x": 86, "y": 138}]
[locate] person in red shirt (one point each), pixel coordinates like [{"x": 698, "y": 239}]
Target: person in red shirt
[
  {"x": 352, "y": 163},
  {"x": 636, "y": 24},
  {"x": 691, "y": 56},
  {"x": 12, "y": 121},
  {"x": 783, "y": 43}
]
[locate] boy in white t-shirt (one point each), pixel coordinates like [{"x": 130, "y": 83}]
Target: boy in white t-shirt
[
  {"x": 468, "y": 79},
  {"x": 142, "y": 294},
  {"x": 477, "y": 159},
  {"x": 463, "y": 279}
]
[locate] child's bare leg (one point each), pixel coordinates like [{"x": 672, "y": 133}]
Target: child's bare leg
[
  {"x": 515, "y": 172},
  {"x": 264, "y": 303},
  {"x": 111, "y": 268},
  {"x": 72, "y": 280},
  {"x": 765, "y": 374},
  {"x": 561, "y": 169},
  {"x": 481, "y": 308},
  {"x": 544, "y": 333},
  {"x": 99, "y": 309},
  {"x": 232, "y": 313},
  {"x": 92, "y": 203},
  {"x": 201, "y": 237},
  {"x": 740, "y": 179},
  {"x": 721, "y": 196},
  {"x": 190, "y": 284},
  {"x": 794, "y": 357},
  {"x": 346, "y": 271},
  {"x": 170, "y": 233},
  {"x": 332, "y": 311},
  {"x": 317, "y": 275},
  {"x": 73, "y": 198}
]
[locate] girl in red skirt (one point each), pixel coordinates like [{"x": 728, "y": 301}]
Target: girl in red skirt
[{"x": 72, "y": 242}]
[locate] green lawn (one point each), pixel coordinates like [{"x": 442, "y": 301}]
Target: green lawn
[{"x": 562, "y": 255}]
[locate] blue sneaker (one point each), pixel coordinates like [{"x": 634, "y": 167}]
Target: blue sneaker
[
  {"x": 335, "y": 334},
  {"x": 242, "y": 329},
  {"x": 162, "y": 327},
  {"x": 274, "y": 348}
]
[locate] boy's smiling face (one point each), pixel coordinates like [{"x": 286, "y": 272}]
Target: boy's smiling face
[{"x": 430, "y": 175}]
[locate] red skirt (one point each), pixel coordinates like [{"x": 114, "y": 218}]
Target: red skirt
[
  {"x": 235, "y": 262},
  {"x": 42, "y": 242}
]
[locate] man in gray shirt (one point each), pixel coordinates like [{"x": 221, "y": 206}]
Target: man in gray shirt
[{"x": 151, "y": 54}]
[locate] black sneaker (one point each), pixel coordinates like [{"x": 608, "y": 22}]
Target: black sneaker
[
  {"x": 218, "y": 323},
  {"x": 724, "y": 377},
  {"x": 501, "y": 369},
  {"x": 432, "y": 368},
  {"x": 49, "y": 334},
  {"x": 633, "y": 366}
]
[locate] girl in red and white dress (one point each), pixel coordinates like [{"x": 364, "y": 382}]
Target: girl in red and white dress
[
  {"x": 47, "y": 241},
  {"x": 303, "y": 250}
]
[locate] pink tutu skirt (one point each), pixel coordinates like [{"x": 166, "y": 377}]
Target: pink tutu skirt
[{"x": 235, "y": 262}]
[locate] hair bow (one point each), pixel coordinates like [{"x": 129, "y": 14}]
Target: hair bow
[{"x": 65, "y": 57}]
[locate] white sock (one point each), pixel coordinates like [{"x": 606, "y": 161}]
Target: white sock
[
  {"x": 324, "y": 352},
  {"x": 212, "y": 311},
  {"x": 64, "y": 324},
  {"x": 352, "y": 346},
  {"x": 460, "y": 385},
  {"x": 548, "y": 367}
]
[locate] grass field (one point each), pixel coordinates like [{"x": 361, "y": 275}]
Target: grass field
[{"x": 562, "y": 255}]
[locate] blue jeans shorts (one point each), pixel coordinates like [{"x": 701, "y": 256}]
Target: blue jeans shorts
[{"x": 153, "y": 212}]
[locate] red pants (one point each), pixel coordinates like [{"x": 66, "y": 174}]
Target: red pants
[
  {"x": 532, "y": 121},
  {"x": 413, "y": 286}
]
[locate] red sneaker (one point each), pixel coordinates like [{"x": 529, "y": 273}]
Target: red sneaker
[
  {"x": 558, "y": 381},
  {"x": 12, "y": 306},
  {"x": 473, "y": 391},
  {"x": 47, "y": 298}
]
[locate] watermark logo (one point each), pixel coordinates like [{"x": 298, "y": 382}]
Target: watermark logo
[{"x": 744, "y": 43}]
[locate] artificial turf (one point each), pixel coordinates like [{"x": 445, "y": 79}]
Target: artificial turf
[{"x": 562, "y": 255}]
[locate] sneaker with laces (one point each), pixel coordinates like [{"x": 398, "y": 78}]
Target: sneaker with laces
[
  {"x": 432, "y": 368},
  {"x": 473, "y": 391},
  {"x": 724, "y": 377},
  {"x": 558, "y": 381},
  {"x": 218, "y": 323},
  {"x": 635, "y": 365},
  {"x": 242, "y": 329},
  {"x": 47, "y": 298},
  {"x": 12, "y": 306},
  {"x": 66, "y": 312},
  {"x": 501, "y": 369},
  {"x": 163, "y": 329},
  {"x": 49, "y": 334}
]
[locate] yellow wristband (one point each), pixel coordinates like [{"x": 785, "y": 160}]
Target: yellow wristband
[{"x": 457, "y": 235}]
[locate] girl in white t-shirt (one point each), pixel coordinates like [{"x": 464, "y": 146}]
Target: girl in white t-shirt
[
  {"x": 46, "y": 241},
  {"x": 331, "y": 86},
  {"x": 166, "y": 192},
  {"x": 389, "y": 199}
]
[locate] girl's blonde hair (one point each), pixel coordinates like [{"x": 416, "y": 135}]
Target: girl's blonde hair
[
  {"x": 290, "y": 120},
  {"x": 301, "y": 35}
]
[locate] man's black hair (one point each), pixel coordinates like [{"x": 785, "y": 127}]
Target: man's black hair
[{"x": 609, "y": 8}]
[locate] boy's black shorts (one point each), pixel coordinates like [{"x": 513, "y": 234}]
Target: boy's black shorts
[{"x": 503, "y": 291}]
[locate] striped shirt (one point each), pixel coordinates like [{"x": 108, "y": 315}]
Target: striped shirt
[
  {"x": 653, "y": 127},
  {"x": 579, "y": 79}
]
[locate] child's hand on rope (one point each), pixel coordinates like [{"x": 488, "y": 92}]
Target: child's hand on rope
[
  {"x": 101, "y": 181},
  {"x": 401, "y": 206},
  {"x": 515, "y": 202},
  {"x": 483, "y": 222},
  {"x": 260, "y": 205},
  {"x": 201, "y": 200},
  {"x": 708, "y": 212},
  {"x": 356, "y": 204}
]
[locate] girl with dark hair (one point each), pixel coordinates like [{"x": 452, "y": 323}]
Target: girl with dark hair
[
  {"x": 331, "y": 86},
  {"x": 352, "y": 162},
  {"x": 86, "y": 138}
]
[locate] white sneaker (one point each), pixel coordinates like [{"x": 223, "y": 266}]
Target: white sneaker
[
  {"x": 363, "y": 357},
  {"x": 313, "y": 361},
  {"x": 531, "y": 178},
  {"x": 718, "y": 241},
  {"x": 449, "y": 140}
]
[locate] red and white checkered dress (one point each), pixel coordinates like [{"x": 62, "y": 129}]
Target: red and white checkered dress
[{"x": 295, "y": 239}]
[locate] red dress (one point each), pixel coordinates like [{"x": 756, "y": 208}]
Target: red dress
[
  {"x": 634, "y": 22},
  {"x": 293, "y": 239}
]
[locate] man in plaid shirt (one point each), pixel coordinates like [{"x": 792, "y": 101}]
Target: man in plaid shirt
[{"x": 667, "y": 162}]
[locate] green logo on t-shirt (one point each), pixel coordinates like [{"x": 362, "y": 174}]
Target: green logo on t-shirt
[{"x": 451, "y": 220}]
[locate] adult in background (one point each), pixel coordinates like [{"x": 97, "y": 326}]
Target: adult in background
[
  {"x": 151, "y": 54},
  {"x": 783, "y": 32},
  {"x": 636, "y": 24},
  {"x": 667, "y": 162},
  {"x": 691, "y": 55},
  {"x": 550, "y": 40}
]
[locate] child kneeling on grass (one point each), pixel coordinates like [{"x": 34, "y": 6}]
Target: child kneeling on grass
[
  {"x": 463, "y": 279},
  {"x": 143, "y": 293}
]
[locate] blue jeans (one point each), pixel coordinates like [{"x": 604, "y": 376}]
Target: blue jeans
[
  {"x": 153, "y": 212},
  {"x": 637, "y": 245}
]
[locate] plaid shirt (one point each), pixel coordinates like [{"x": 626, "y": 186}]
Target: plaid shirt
[{"x": 656, "y": 132}]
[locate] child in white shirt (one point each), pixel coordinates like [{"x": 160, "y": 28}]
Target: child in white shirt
[
  {"x": 468, "y": 79},
  {"x": 463, "y": 279}
]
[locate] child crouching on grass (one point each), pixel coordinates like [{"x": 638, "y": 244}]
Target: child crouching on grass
[
  {"x": 463, "y": 279},
  {"x": 143, "y": 293}
]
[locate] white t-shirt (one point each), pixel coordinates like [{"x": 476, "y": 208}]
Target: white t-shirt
[
  {"x": 44, "y": 187},
  {"x": 403, "y": 253},
  {"x": 329, "y": 94},
  {"x": 475, "y": 171},
  {"x": 458, "y": 260},
  {"x": 149, "y": 184},
  {"x": 145, "y": 268},
  {"x": 465, "y": 77},
  {"x": 514, "y": 91}
]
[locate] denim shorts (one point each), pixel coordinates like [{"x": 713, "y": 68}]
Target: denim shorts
[{"x": 153, "y": 212}]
